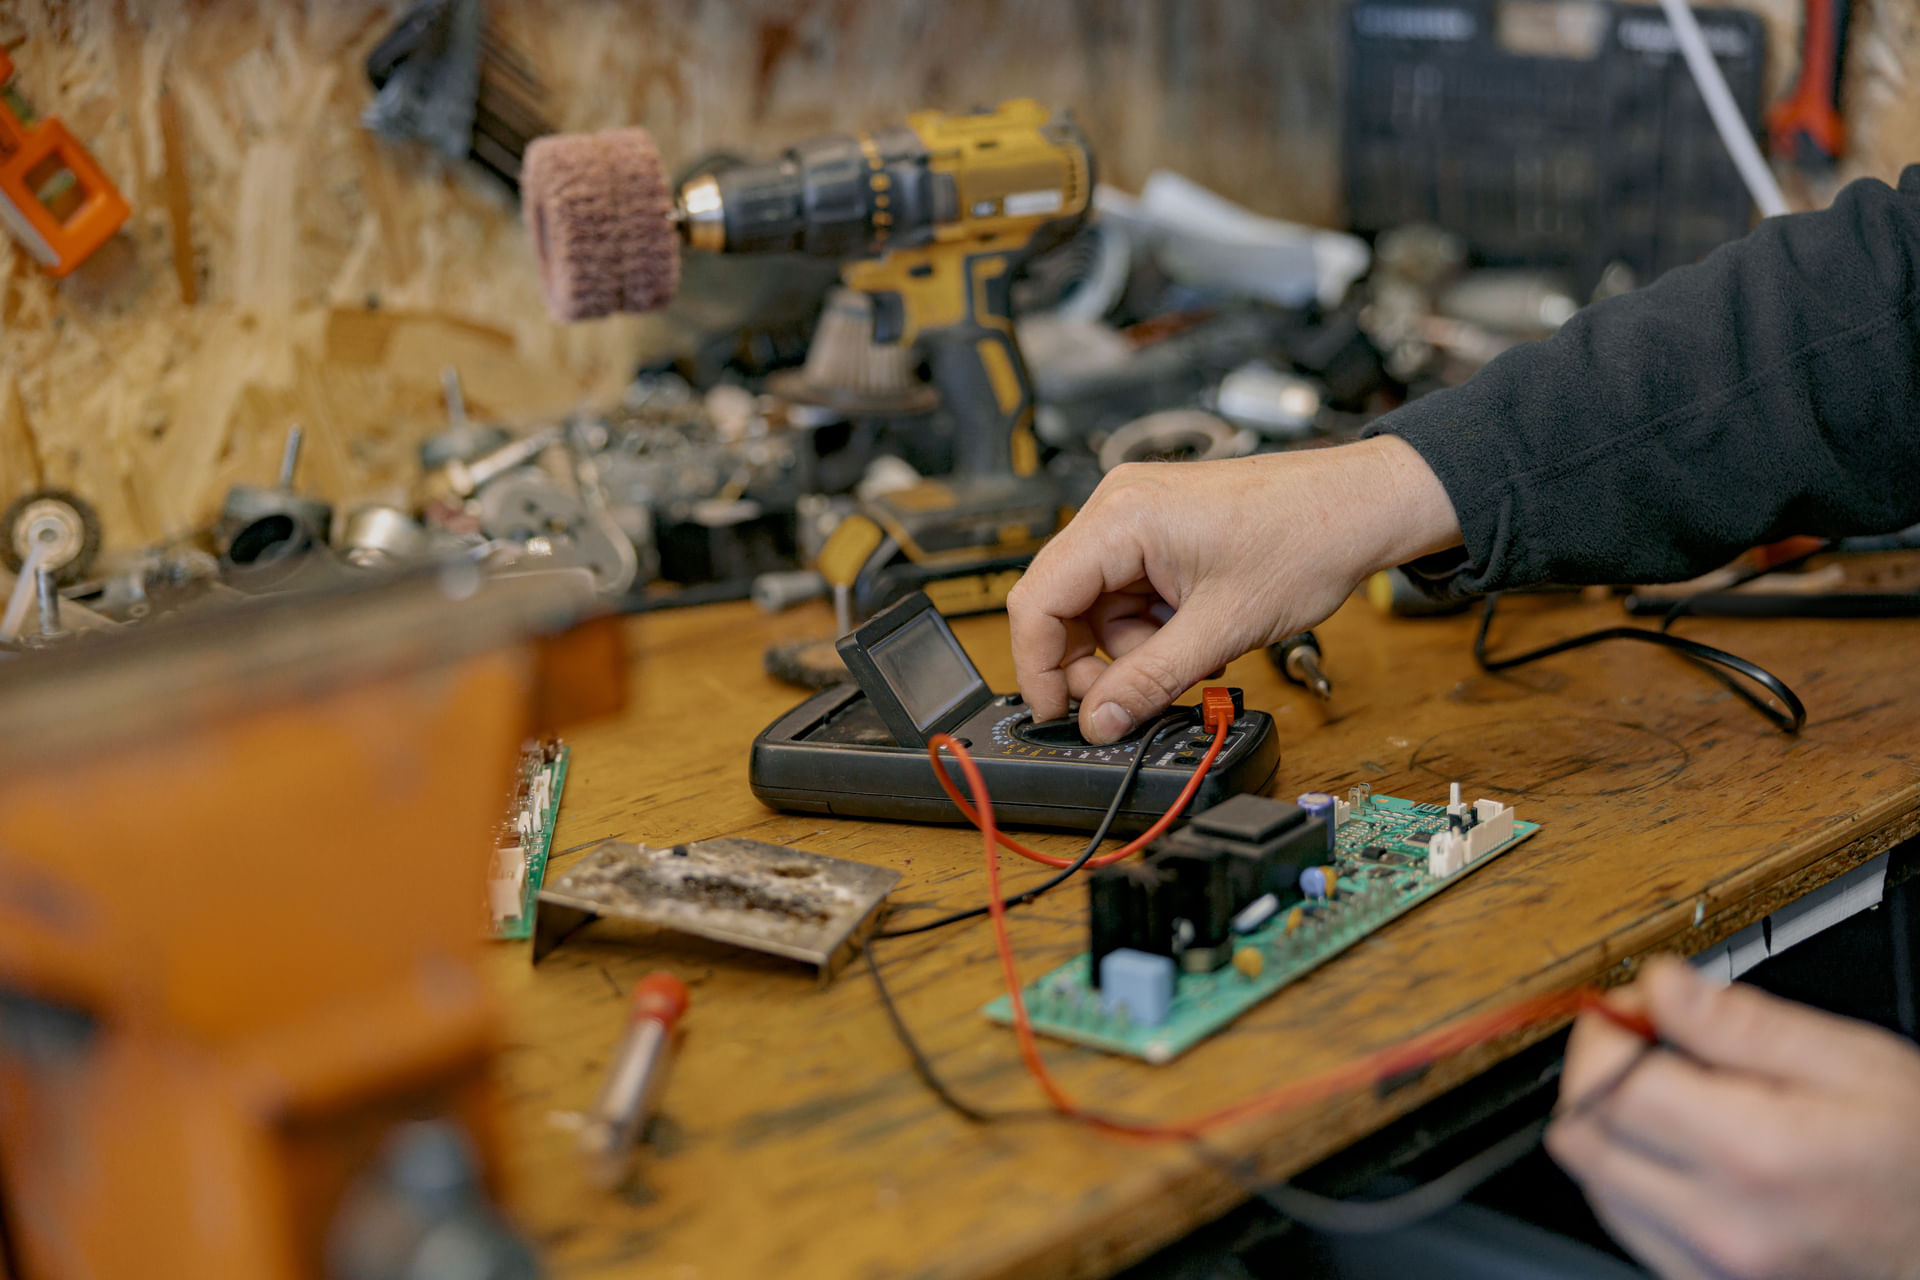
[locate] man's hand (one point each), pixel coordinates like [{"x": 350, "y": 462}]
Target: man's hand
[
  {"x": 1764, "y": 1139},
  {"x": 1174, "y": 569}
]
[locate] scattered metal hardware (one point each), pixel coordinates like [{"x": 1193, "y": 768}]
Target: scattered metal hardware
[
  {"x": 765, "y": 897},
  {"x": 1279, "y": 406},
  {"x": 20, "y": 598},
  {"x": 461, "y": 479},
  {"x": 46, "y": 594},
  {"x": 775, "y": 592},
  {"x": 422, "y": 1213},
  {"x": 261, "y": 526},
  {"x": 61, "y": 524},
  {"x": 463, "y": 440},
  {"x": 377, "y": 536},
  {"x": 1175, "y": 435}
]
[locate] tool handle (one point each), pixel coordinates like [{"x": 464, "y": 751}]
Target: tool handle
[
  {"x": 986, "y": 387},
  {"x": 959, "y": 305},
  {"x": 1807, "y": 124}
]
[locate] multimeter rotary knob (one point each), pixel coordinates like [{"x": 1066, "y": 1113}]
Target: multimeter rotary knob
[{"x": 1064, "y": 732}]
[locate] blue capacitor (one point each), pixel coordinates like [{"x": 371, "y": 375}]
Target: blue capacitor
[
  {"x": 1314, "y": 882},
  {"x": 1319, "y": 804}
]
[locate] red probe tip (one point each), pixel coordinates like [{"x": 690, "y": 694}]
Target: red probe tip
[{"x": 660, "y": 996}]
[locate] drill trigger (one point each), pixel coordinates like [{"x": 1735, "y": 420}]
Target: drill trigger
[{"x": 889, "y": 317}]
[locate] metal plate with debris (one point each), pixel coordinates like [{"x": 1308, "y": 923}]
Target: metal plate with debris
[{"x": 766, "y": 897}]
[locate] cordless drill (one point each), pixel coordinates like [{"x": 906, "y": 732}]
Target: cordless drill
[{"x": 931, "y": 218}]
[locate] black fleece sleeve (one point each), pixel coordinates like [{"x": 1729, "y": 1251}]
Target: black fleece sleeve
[{"x": 1770, "y": 389}]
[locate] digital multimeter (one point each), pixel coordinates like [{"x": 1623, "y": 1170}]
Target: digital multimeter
[{"x": 859, "y": 750}]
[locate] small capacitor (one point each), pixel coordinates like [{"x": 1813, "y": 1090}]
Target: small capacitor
[
  {"x": 634, "y": 1080},
  {"x": 1249, "y": 962},
  {"x": 1319, "y": 804},
  {"x": 1318, "y": 882}
]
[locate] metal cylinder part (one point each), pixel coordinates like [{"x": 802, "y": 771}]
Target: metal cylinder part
[
  {"x": 376, "y": 536},
  {"x": 47, "y": 593},
  {"x": 774, "y": 592}
]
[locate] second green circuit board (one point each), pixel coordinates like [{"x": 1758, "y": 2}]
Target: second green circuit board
[{"x": 1380, "y": 855}]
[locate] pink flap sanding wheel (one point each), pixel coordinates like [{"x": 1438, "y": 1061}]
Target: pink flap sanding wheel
[{"x": 600, "y": 210}]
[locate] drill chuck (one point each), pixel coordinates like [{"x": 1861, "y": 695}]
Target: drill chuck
[{"x": 836, "y": 198}]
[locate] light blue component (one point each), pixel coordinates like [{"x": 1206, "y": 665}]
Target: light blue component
[
  {"x": 1139, "y": 983},
  {"x": 1313, "y": 882},
  {"x": 1256, "y": 913},
  {"x": 1319, "y": 804}
]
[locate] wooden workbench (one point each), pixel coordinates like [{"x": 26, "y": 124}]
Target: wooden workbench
[{"x": 794, "y": 1140}]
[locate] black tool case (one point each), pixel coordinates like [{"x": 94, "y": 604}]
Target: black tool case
[{"x": 1567, "y": 162}]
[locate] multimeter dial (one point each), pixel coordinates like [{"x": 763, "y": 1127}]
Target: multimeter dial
[{"x": 1019, "y": 734}]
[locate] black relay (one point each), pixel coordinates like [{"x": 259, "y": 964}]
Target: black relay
[{"x": 1181, "y": 900}]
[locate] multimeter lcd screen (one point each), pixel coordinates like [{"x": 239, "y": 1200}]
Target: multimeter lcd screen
[{"x": 926, "y": 668}]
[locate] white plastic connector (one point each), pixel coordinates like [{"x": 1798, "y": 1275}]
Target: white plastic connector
[
  {"x": 1446, "y": 854},
  {"x": 1493, "y": 827},
  {"x": 506, "y": 884},
  {"x": 1341, "y": 812}
]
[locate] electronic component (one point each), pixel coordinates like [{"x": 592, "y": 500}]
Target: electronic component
[
  {"x": 1128, "y": 909},
  {"x": 1137, "y": 985},
  {"x": 859, "y": 750},
  {"x": 1376, "y": 872},
  {"x": 634, "y": 1077},
  {"x": 519, "y": 862},
  {"x": 1197, "y": 886},
  {"x": 1256, "y": 913},
  {"x": 1471, "y": 833},
  {"x": 1320, "y": 805},
  {"x": 1317, "y": 882}
]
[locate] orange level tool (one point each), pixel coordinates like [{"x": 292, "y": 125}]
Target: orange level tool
[{"x": 54, "y": 197}]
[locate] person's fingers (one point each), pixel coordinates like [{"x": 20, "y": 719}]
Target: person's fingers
[
  {"x": 1657, "y": 1243},
  {"x": 1120, "y": 636},
  {"x": 1045, "y": 609},
  {"x": 1600, "y": 1048},
  {"x": 1608, "y": 1168},
  {"x": 1743, "y": 1028},
  {"x": 1147, "y": 680},
  {"x": 1084, "y": 673},
  {"x": 1695, "y": 1117}
]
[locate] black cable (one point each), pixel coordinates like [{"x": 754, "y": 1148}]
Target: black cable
[
  {"x": 1718, "y": 662},
  {"x": 1331, "y": 1215},
  {"x": 1134, "y": 765},
  {"x": 922, "y": 1065}
]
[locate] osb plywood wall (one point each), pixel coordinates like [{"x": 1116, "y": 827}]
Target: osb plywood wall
[
  {"x": 282, "y": 264},
  {"x": 333, "y": 275}
]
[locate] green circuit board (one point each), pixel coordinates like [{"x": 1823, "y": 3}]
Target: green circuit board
[
  {"x": 539, "y": 763},
  {"x": 1380, "y": 857}
]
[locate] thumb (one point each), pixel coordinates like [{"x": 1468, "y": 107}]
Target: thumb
[
  {"x": 1742, "y": 1028},
  {"x": 1147, "y": 678}
]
